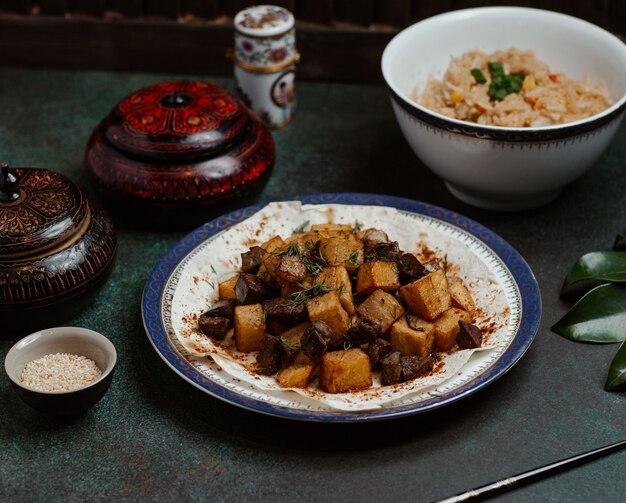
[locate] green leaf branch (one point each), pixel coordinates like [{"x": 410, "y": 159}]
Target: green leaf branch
[
  {"x": 600, "y": 315},
  {"x": 603, "y": 266}
]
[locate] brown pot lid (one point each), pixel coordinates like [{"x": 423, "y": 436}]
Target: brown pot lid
[
  {"x": 39, "y": 208},
  {"x": 179, "y": 119}
]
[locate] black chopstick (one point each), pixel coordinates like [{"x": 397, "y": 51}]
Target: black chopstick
[{"x": 503, "y": 485}]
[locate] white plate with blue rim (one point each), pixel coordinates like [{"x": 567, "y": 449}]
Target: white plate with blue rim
[{"x": 513, "y": 273}]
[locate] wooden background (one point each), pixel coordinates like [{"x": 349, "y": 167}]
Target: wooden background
[{"x": 339, "y": 39}]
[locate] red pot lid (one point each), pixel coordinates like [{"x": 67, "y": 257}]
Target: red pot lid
[
  {"x": 177, "y": 119},
  {"x": 38, "y": 209}
]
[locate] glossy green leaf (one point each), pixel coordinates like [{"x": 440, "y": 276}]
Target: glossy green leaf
[
  {"x": 600, "y": 316},
  {"x": 603, "y": 266},
  {"x": 617, "y": 371}
]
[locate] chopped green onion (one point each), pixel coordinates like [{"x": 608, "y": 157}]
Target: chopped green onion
[
  {"x": 516, "y": 83},
  {"x": 496, "y": 68},
  {"x": 478, "y": 75},
  {"x": 500, "y": 94},
  {"x": 502, "y": 84}
]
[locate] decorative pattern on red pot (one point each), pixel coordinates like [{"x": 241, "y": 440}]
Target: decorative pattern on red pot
[
  {"x": 174, "y": 119},
  {"x": 47, "y": 208}
]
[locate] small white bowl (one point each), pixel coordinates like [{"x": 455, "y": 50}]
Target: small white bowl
[
  {"x": 73, "y": 340},
  {"x": 505, "y": 168}
]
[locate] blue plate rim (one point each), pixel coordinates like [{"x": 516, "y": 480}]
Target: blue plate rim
[{"x": 524, "y": 278}]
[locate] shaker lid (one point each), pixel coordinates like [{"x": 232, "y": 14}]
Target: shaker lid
[
  {"x": 178, "y": 119},
  {"x": 264, "y": 21},
  {"x": 38, "y": 209}
]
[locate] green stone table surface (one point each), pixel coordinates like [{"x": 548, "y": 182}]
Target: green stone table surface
[{"x": 156, "y": 437}]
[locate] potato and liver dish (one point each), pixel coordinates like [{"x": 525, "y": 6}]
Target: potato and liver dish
[{"x": 337, "y": 304}]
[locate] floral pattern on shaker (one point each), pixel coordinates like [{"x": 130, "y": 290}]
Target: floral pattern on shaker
[{"x": 261, "y": 52}]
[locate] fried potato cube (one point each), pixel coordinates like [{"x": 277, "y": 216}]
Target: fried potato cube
[
  {"x": 338, "y": 279},
  {"x": 345, "y": 252},
  {"x": 332, "y": 227},
  {"x": 249, "y": 327},
  {"x": 460, "y": 296},
  {"x": 377, "y": 275},
  {"x": 290, "y": 269},
  {"x": 415, "y": 339},
  {"x": 304, "y": 240},
  {"x": 428, "y": 297},
  {"x": 273, "y": 244},
  {"x": 226, "y": 288},
  {"x": 293, "y": 336},
  {"x": 372, "y": 237},
  {"x": 447, "y": 327},
  {"x": 286, "y": 289},
  {"x": 265, "y": 275},
  {"x": 333, "y": 230},
  {"x": 345, "y": 371},
  {"x": 267, "y": 270},
  {"x": 382, "y": 308},
  {"x": 327, "y": 308},
  {"x": 297, "y": 375}
]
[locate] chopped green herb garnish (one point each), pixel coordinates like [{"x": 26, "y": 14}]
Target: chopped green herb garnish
[
  {"x": 312, "y": 268},
  {"x": 288, "y": 347},
  {"x": 346, "y": 344},
  {"x": 211, "y": 285},
  {"x": 503, "y": 84},
  {"x": 354, "y": 256},
  {"x": 497, "y": 69},
  {"x": 341, "y": 289},
  {"x": 316, "y": 289},
  {"x": 357, "y": 226},
  {"x": 313, "y": 260},
  {"x": 292, "y": 250},
  {"x": 213, "y": 269},
  {"x": 301, "y": 227},
  {"x": 478, "y": 75}
]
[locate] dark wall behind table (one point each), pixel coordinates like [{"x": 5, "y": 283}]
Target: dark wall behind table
[{"x": 339, "y": 39}]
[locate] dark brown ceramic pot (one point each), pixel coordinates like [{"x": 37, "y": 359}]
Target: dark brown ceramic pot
[
  {"x": 56, "y": 248},
  {"x": 179, "y": 146}
]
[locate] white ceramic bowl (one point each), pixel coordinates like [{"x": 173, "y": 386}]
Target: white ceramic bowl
[
  {"x": 505, "y": 168},
  {"x": 73, "y": 340}
]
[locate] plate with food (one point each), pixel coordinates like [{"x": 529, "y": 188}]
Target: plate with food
[{"x": 341, "y": 307}]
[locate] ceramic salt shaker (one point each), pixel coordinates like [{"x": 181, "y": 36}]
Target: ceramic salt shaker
[{"x": 264, "y": 60}]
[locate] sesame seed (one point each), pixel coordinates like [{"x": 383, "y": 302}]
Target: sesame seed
[{"x": 60, "y": 372}]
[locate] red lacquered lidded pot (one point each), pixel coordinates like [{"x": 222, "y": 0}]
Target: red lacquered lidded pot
[
  {"x": 179, "y": 145},
  {"x": 56, "y": 248}
]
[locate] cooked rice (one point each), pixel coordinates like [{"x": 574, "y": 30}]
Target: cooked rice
[{"x": 546, "y": 97}]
